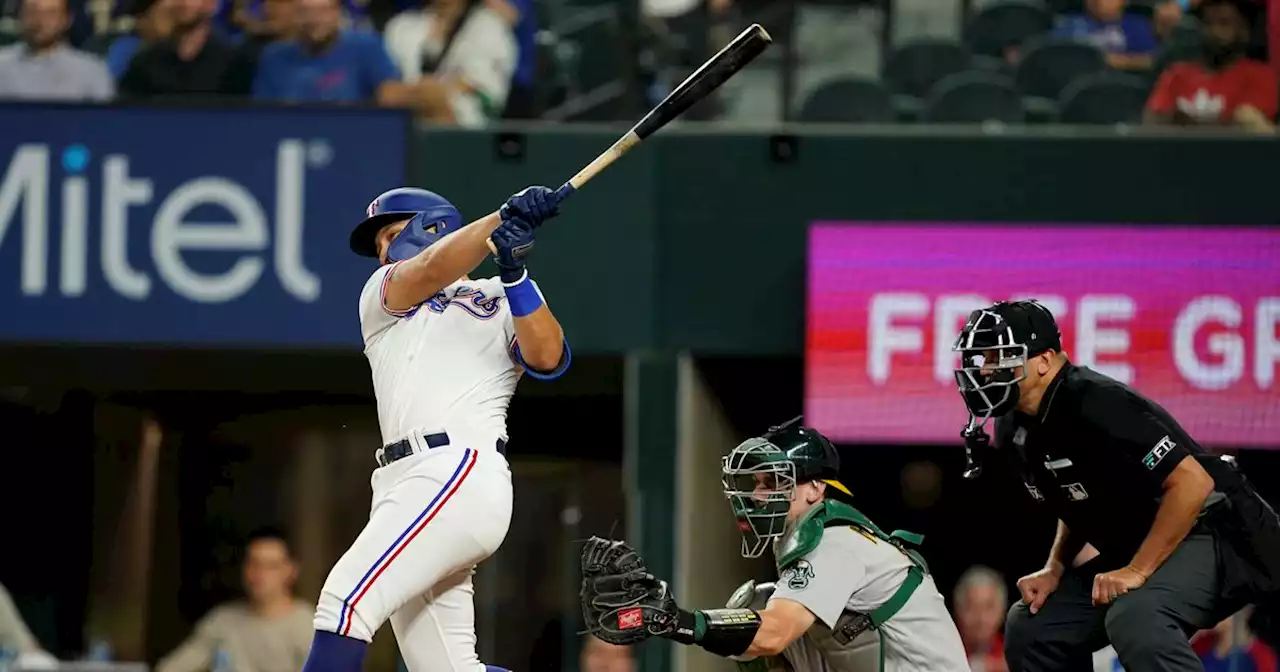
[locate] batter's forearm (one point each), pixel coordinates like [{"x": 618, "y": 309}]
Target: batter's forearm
[
  {"x": 452, "y": 257},
  {"x": 541, "y": 339}
]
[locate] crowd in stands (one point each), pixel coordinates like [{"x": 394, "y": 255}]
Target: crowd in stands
[
  {"x": 465, "y": 62},
  {"x": 450, "y": 61},
  {"x": 1182, "y": 62}
]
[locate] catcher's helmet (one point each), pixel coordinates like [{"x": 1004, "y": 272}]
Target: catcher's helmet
[
  {"x": 760, "y": 477},
  {"x": 994, "y": 345},
  {"x": 432, "y": 218}
]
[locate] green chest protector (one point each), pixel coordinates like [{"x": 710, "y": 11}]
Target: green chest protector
[{"x": 808, "y": 534}]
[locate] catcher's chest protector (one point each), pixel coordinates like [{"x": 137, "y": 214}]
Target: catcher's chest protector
[{"x": 806, "y": 536}]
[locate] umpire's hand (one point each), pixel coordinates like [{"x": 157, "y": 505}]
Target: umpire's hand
[
  {"x": 1035, "y": 588},
  {"x": 1111, "y": 585}
]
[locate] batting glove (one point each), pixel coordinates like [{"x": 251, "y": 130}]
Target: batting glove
[
  {"x": 534, "y": 205},
  {"x": 513, "y": 242}
]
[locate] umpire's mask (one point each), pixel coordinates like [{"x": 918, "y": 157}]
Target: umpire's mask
[
  {"x": 994, "y": 347},
  {"x": 759, "y": 479}
]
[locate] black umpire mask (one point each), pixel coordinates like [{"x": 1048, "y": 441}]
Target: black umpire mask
[{"x": 994, "y": 347}]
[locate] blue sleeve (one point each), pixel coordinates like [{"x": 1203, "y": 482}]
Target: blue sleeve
[
  {"x": 378, "y": 66},
  {"x": 1068, "y": 28},
  {"x": 119, "y": 54},
  {"x": 264, "y": 80},
  {"x": 1139, "y": 35},
  {"x": 565, "y": 359}
]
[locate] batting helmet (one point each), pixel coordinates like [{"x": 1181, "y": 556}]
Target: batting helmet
[{"x": 431, "y": 218}]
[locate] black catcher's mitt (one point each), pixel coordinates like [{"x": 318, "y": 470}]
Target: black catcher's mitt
[{"x": 622, "y": 603}]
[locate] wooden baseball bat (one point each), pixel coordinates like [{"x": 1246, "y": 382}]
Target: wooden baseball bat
[{"x": 744, "y": 48}]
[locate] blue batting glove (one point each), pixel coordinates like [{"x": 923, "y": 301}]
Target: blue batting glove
[
  {"x": 513, "y": 240},
  {"x": 534, "y": 205}
]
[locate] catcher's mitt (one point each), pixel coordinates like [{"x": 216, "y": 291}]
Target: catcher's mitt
[{"x": 622, "y": 603}]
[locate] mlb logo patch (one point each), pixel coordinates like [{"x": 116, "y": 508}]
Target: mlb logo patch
[{"x": 629, "y": 619}]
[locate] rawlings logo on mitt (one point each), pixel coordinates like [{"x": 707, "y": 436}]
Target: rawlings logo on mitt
[{"x": 622, "y": 603}]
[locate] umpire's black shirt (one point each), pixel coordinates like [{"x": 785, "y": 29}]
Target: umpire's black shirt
[{"x": 1097, "y": 455}]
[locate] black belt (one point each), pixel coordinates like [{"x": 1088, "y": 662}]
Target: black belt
[{"x": 403, "y": 448}]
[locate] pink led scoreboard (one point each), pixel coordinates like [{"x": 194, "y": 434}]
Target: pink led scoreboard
[{"x": 1187, "y": 315}]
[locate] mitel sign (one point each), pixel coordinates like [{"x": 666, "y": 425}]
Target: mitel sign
[{"x": 187, "y": 226}]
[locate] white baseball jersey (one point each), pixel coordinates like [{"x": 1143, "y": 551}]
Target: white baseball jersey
[
  {"x": 447, "y": 363},
  {"x": 850, "y": 570}
]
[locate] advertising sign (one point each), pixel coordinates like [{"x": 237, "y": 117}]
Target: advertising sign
[
  {"x": 188, "y": 226},
  {"x": 1186, "y": 315}
]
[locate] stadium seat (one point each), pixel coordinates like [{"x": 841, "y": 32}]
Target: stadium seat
[
  {"x": 1000, "y": 26},
  {"x": 913, "y": 68},
  {"x": 848, "y": 101},
  {"x": 1048, "y": 65},
  {"x": 1103, "y": 98},
  {"x": 1182, "y": 45},
  {"x": 1066, "y": 6},
  {"x": 599, "y": 39},
  {"x": 974, "y": 97}
]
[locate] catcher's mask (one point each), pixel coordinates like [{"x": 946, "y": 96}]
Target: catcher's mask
[
  {"x": 760, "y": 477},
  {"x": 994, "y": 347}
]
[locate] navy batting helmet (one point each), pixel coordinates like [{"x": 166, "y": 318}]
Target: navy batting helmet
[{"x": 431, "y": 218}]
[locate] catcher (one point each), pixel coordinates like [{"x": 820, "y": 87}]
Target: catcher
[{"x": 840, "y": 576}]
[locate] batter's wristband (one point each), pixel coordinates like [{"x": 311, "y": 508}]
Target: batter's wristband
[{"x": 523, "y": 296}]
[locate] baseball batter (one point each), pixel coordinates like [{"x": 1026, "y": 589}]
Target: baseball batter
[
  {"x": 446, "y": 352},
  {"x": 840, "y": 577}
]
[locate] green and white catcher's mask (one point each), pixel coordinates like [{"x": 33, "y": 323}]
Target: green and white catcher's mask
[
  {"x": 761, "y": 474},
  {"x": 759, "y": 481}
]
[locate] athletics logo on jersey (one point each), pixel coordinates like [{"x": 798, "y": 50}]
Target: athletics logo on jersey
[
  {"x": 798, "y": 575},
  {"x": 629, "y": 619}
]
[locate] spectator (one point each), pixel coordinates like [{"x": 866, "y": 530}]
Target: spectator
[
  {"x": 153, "y": 23},
  {"x": 601, "y": 656},
  {"x": 270, "y": 631},
  {"x": 15, "y": 635},
  {"x": 459, "y": 56},
  {"x": 1223, "y": 87},
  {"x": 980, "y": 602},
  {"x": 277, "y": 24},
  {"x": 328, "y": 64},
  {"x": 44, "y": 67},
  {"x": 523, "y": 20},
  {"x": 195, "y": 60},
  {"x": 1128, "y": 40},
  {"x": 1232, "y": 647}
]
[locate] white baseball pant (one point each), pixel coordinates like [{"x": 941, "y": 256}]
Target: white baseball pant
[{"x": 435, "y": 515}]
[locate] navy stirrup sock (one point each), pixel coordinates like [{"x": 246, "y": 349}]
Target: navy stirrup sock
[{"x": 331, "y": 652}]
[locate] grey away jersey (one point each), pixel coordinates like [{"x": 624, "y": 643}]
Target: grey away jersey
[{"x": 850, "y": 570}]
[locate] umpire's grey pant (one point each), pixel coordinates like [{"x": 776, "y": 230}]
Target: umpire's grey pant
[{"x": 1149, "y": 627}]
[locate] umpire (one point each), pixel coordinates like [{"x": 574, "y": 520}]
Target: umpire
[{"x": 1183, "y": 539}]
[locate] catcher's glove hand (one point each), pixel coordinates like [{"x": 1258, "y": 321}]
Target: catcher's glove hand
[{"x": 622, "y": 603}]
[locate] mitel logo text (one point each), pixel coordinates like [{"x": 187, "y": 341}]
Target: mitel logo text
[{"x": 30, "y": 182}]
